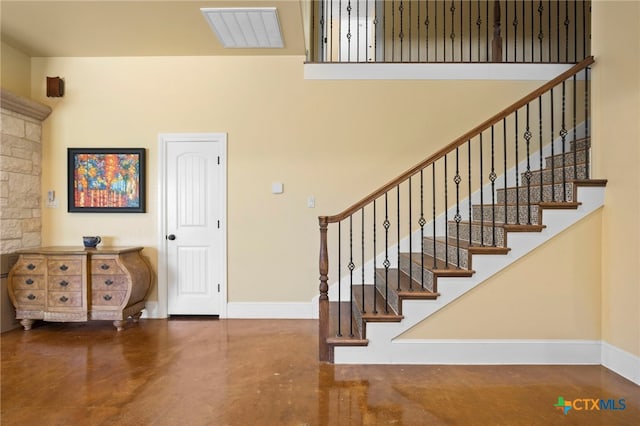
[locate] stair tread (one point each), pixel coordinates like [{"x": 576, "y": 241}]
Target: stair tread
[
  {"x": 427, "y": 260},
  {"x": 345, "y": 330},
  {"x": 383, "y": 311}
]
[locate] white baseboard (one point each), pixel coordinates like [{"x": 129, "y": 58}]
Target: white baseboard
[
  {"x": 271, "y": 310},
  {"x": 480, "y": 352},
  {"x": 622, "y": 362}
]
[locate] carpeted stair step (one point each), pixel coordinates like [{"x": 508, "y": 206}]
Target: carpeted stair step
[
  {"x": 453, "y": 246},
  {"x": 584, "y": 143},
  {"x": 570, "y": 158},
  {"x": 395, "y": 285},
  {"x": 514, "y": 213},
  {"x": 579, "y": 171},
  {"x": 479, "y": 233},
  {"x": 535, "y": 190}
]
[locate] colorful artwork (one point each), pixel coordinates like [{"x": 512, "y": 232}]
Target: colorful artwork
[{"x": 106, "y": 180}]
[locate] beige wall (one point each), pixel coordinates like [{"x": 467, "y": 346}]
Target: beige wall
[
  {"x": 15, "y": 70},
  {"x": 336, "y": 140},
  {"x": 616, "y": 116},
  {"x": 552, "y": 293}
]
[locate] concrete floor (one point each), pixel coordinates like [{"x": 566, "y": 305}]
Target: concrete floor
[{"x": 265, "y": 372}]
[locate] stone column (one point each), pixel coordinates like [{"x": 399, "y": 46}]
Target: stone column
[{"x": 20, "y": 185}]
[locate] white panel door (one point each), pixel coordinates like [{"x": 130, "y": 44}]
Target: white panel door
[{"x": 193, "y": 213}]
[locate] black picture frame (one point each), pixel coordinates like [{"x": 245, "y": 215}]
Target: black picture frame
[{"x": 106, "y": 180}]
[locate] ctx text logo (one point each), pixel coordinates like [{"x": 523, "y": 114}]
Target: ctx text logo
[{"x": 589, "y": 404}]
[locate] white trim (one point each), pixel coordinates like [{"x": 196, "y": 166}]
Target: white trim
[
  {"x": 481, "y": 352},
  {"x": 441, "y": 71},
  {"x": 621, "y": 362},
  {"x": 161, "y": 309},
  {"x": 271, "y": 310}
]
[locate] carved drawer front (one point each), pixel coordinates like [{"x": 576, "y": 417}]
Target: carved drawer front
[
  {"x": 64, "y": 299},
  {"x": 30, "y": 298},
  {"x": 64, "y": 267},
  {"x": 28, "y": 282},
  {"x": 105, "y": 266},
  {"x": 107, "y": 298},
  {"x": 30, "y": 265},
  {"x": 109, "y": 282},
  {"x": 65, "y": 283}
]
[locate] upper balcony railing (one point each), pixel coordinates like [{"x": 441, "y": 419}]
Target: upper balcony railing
[{"x": 427, "y": 31}]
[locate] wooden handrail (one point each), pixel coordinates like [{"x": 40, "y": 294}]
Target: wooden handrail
[{"x": 459, "y": 141}]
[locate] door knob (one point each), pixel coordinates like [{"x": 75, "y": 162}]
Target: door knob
[{"x": 171, "y": 237}]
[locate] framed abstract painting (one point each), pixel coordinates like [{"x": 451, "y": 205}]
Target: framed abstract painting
[{"x": 106, "y": 180}]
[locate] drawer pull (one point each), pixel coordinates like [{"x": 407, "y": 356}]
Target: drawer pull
[
  {"x": 64, "y": 283},
  {"x": 64, "y": 267},
  {"x": 28, "y": 281},
  {"x": 104, "y": 266},
  {"x": 31, "y": 297},
  {"x": 108, "y": 282},
  {"x": 107, "y": 297},
  {"x": 64, "y": 299},
  {"x": 31, "y": 266}
]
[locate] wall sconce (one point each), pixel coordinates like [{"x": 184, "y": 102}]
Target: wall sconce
[{"x": 55, "y": 87}]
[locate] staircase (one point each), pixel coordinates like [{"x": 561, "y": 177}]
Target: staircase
[{"x": 501, "y": 209}]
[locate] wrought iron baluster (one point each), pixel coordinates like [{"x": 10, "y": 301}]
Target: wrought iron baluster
[
  {"x": 410, "y": 33},
  {"x": 558, "y": 31},
  {"x": 351, "y": 267},
  {"x": 457, "y": 179},
  {"x": 540, "y": 33},
  {"x": 524, "y": 29},
  {"x": 532, "y": 30},
  {"x": 575, "y": 147},
  {"x": 553, "y": 160},
  {"x": 435, "y": 28},
  {"x": 349, "y": 31},
  {"x": 575, "y": 32},
  {"x": 549, "y": 31},
  {"x": 401, "y": 33},
  {"x": 446, "y": 218},
  {"x": 481, "y": 202},
  {"x": 587, "y": 119},
  {"x": 339, "y": 280},
  {"x": 469, "y": 175},
  {"x": 398, "y": 226},
  {"x": 393, "y": 31},
  {"x": 492, "y": 178},
  {"x": 418, "y": 29},
  {"x": 486, "y": 31},
  {"x": 386, "y": 224},
  {"x": 470, "y": 34},
  {"x": 461, "y": 32},
  {"x": 540, "y": 139},
  {"x": 506, "y": 32},
  {"x": 515, "y": 32},
  {"x": 452, "y": 36},
  {"x": 422, "y": 222},
  {"x": 410, "y": 239},
  {"x": 375, "y": 265},
  {"x": 527, "y": 175},
  {"x": 426, "y": 31},
  {"x": 433, "y": 218},
  {"x": 504, "y": 158},
  {"x": 566, "y": 31},
  {"x": 563, "y": 135},
  {"x": 517, "y": 172},
  {"x": 364, "y": 310},
  {"x": 479, "y": 25}
]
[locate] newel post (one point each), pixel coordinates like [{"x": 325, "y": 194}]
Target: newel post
[
  {"x": 323, "y": 326},
  {"x": 497, "y": 34}
]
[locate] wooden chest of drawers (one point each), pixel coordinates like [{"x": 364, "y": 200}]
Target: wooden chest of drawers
[{"x": 76, "y": 284}]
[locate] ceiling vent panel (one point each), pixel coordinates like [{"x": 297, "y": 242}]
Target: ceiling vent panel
[{"x": 241, "y": 27}]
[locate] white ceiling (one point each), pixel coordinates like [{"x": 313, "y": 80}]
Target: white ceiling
[{"x": 51, "y": 28}]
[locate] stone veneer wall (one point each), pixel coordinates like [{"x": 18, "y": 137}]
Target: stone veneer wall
[{"x": 20, "y": 183}]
